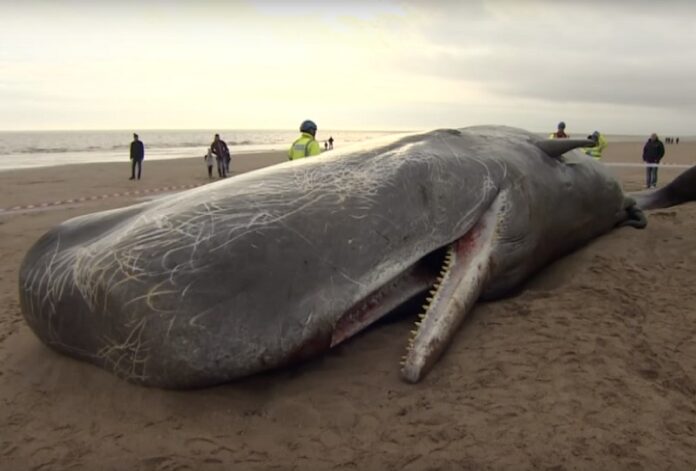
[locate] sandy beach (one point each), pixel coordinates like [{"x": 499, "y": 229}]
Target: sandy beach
[{"x": 592, "y": 366}]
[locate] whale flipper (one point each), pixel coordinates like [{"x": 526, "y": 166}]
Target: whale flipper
[{"x": 557, "y": 147}]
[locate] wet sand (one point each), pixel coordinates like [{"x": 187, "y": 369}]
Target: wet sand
[{"x": 591, "y": 366}]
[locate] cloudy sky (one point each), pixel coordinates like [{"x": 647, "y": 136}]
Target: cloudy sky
[{"x": 617, "y": 66}]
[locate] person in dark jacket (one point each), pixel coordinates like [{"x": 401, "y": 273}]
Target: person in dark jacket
[
  {"x": 653, "y": 151},
  {"x": 222, "y": 155},
  {"x": 137, "y": 154}
]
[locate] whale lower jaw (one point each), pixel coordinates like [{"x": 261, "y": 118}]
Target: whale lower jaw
[{"x": 465, "y": 272}]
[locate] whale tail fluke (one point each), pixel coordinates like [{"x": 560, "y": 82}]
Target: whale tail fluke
[{"x": 681, "y": 190}]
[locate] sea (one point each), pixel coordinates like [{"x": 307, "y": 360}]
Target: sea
[{"x": 29, "y": 149}]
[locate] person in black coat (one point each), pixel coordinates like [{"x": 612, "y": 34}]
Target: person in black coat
[
  {"x": 222, "y": 155},
  {"x": 653, "y": 151},
  {"x": 137, "y": 154}
]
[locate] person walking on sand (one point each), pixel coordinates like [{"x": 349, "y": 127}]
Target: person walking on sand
[
  {"x": 560, "y": 132},
  {"x": 331, "y": 142},
  {"x": 222, "y": 154},
  {"x": 306, "y": 145},
  {"x": 209, "y": 160},
  {"x": 653, "y": 151},
  {"x": 137, "y": 154}
]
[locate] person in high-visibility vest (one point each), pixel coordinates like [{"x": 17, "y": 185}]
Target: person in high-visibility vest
[
  {"x": 600, "y": 143},
  {"x": 306, "y": 145},
  {"x": 560, "y": 133}
]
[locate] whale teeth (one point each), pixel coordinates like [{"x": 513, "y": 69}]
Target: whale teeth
[
  {"x": 418, "y": 323},
  {"x": 429, "y": 299},
  {"x": 422, "y": 316}
]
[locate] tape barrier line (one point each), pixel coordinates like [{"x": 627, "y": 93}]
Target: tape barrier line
[
  {"x": 629, "y": 164},
  {"x": 82, "y": 199},
  {"x": 185, "y": 187}
]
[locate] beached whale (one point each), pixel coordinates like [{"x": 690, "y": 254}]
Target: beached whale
[{"x": 280, "y": 264}]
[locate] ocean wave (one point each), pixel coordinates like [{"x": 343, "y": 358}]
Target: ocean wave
[
  {"x": 125, "y": 147},
  {"x": 43, "y": 150},
  {"x": 111, "y": 143}
]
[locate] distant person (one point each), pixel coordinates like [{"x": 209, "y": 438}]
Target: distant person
[
  {"x": 560, "y": 132},
  {"x": 653, "y": 151},
  {"x": 137, "y": 154},
  {"x": 306, "y": 145},
  {"x": 222, "y": 156},
  {"x": 326, "y": 146},
  {"x": 209, "y": 158},
  {"x": 331, "y": 141},
  {"x": 600, "y": 144},
  {"x": 677, "y": 141}
]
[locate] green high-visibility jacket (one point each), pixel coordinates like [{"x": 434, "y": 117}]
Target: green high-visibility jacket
[
  {"x": 596, "y": 151},
  {"x": 304, "y": 146}
]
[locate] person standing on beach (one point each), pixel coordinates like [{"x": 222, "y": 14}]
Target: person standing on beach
[
  {"x": 330, "y": 142},
  {"x": 560, "y": 132},
  {"x": 306, "y": 145},
  {"x": 228, "y": 159},
  {"x": 600, "y": 144},
  {"x": 137, "y": 154},
  {"x": 222, "y": 155},
  {"x": 209, "y": 159},
  {"x": 653, "y": 151}
]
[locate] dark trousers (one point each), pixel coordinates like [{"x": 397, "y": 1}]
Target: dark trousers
[
  {"x": 221, "y": 168},
  {"x": 651, "y": 176},
  {"x": 136, "y": 163},
  {"x": 210, "y": 171}
]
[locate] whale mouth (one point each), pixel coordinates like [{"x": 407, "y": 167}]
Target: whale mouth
[
  {"x": 410, "y": 285},
  {"x": 465, "y": 271},
  {"x": 450, "y": 279}
]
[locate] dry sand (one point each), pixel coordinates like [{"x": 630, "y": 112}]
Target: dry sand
[{"x": 592, "y": 366}]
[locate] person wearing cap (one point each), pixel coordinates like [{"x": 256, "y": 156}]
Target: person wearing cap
[
  {"x": 600, "y": 144},
  {"x": 137, "y": 154},
  {"x": 560, "y": 132},
  {"x": 306, "y": 145},
  {"x": 653, "y": 151}
]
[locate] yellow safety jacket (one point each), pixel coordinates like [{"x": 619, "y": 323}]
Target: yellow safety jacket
[
  {"x": 596, "y": 151},
  {"x": 304, "y": 146}
]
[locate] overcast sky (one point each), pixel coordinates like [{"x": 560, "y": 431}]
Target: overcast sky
[{"x": 619, "y": 66}]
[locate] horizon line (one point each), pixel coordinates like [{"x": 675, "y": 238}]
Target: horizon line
[
  {"x": 140, "y": 130},
  {"x": 197, "y": 129}
]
